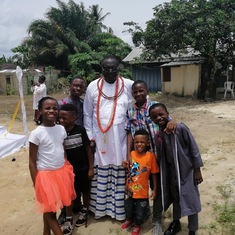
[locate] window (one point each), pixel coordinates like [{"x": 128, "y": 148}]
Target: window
[
  {"x": 8, "y": 80},
  {"x": 167, "y": 74},
  {"x": 9, "y": 88}
]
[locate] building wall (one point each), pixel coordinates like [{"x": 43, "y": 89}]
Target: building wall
[
  {"x": 185, "y": 80},
  {"x": 13, "y": 87},
  {"x": 9, "y": 84},
  {"x": 152, "y": 77}
]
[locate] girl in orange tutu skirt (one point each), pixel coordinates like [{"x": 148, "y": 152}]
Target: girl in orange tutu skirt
[{"x": 51, "y": 173}]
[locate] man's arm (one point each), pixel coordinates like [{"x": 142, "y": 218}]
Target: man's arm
[
  {"x": 39, "y": 89},
  {"x": 129, "y": 146},
  {"x": 88, "y": 113}
]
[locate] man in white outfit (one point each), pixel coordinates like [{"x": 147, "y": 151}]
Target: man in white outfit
[
  {"x": 106, "y": 101},
  {"x": 39, "y": 90}
]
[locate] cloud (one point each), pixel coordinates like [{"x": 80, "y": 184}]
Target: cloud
[
  {"x": 17, "y": 15},
  {"x": 14, "y": 22}
]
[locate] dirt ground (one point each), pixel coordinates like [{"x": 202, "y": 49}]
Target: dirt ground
[{"x": 212, "y": 124}]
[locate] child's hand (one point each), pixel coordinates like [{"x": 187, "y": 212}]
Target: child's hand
[
  {"x": 125, "y": 164},
  {"x": 153, "y": 195},
  {"x": 197, "y": 176},
  {"x": 91, "y": 173},
  {"x": 93, "y": 146},
  {"x": 171, "y": 127}
]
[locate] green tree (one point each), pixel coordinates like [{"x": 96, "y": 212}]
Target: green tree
[
  {"x": 9, "y": 60},
  {"x": 54, "y": 39},
  {"x": 3, "y": 60},
  {"x": 67, "y": 30},
  {"x": 21, "y": 56},
  {"x": 136, "y": 32},
  {"x": 97, "y": 16},
  {"x": 206, "y": 26},
  {"x": 87, "y": 63},
  {"x": 71, "y": 39}
]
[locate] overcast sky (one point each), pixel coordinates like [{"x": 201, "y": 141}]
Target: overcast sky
[{"x": 16, "y": 15}]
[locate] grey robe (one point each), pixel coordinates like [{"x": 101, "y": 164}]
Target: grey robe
[{"x": 186, "y": 157}]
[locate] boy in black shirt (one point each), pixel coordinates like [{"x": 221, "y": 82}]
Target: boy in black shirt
[{"x": 79, "y": 154}]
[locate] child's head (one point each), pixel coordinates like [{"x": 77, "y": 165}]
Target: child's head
[
  {"x": 159, "y": 114},
  {"x": 41, "y": 79},
  {"x": 140, "y": 91},
  {"x": 77, "y": 87},
  {"x": 141, "y": 141},
  {"x": 48, "y": 108},
  {"x": 68, "y": 115}
]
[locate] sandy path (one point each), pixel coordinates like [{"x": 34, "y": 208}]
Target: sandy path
[{"x": 213, "y": 127}]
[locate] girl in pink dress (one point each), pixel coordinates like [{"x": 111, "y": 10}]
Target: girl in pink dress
[{"x": 50, "y": 171}]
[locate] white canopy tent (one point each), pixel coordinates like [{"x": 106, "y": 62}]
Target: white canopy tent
[{"x": 11, "y": 143}]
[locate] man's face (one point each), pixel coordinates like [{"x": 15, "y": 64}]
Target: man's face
[
  {"x": 110, "y": 70},
  {"x": 77, "y": 87},
  {"x": 40, "y": 80}
]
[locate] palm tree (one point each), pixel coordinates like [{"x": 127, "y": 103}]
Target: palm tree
[
  {"x": 71, "y": 38},
  {"x": 96, "y": 15},
  {"x": 64, "y": 32}
]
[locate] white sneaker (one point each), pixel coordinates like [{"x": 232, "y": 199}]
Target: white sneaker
[{"x": 157, "y": 229}]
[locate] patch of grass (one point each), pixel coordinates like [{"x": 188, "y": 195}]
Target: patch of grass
[
  {"x": 225, "y": 211},
  {"x": 225, "y": 190}
]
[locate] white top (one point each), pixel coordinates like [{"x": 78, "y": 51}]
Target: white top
[
  {"x": 50, "y": 146},
  {"x": 111, "y": 147},
  {"x": 38, "y": 93}
]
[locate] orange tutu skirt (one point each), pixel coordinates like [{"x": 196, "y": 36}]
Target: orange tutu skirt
[{"x": 54, "y": 189}]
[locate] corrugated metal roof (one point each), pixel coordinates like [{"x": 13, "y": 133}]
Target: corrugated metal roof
[
  {"x": 180, "y": 56},
  {"x": 13, "y": 70},
  {"x": 7, "y": 66},
  {"x": 178, "y": 63},
  {"x": 8, "y": 71},
  {"x": 134, "y": 54}
]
